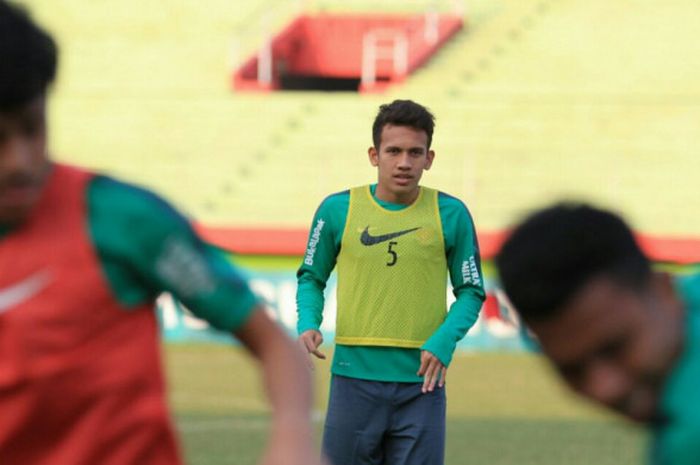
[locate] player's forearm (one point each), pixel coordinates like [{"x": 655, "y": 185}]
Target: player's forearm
[
  {"x": 285, "y": 376},
  {"x": 464, "y": 311},
  {"x": 310, "y": 302},
  {"x": 462, "y": 316},
  {"x": 288, "y": 386}
]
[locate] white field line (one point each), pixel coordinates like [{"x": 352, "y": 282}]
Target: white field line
[
  {"x": 217, "y": 424},
  {"x": 223, "y": 401}
]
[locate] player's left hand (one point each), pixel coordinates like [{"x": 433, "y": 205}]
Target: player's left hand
[{"x": 432, "y": 370}]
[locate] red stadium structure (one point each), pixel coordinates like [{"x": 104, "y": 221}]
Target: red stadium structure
[
  {"x": 346, "y": 52},
  {"x": 289, "y": 242}
]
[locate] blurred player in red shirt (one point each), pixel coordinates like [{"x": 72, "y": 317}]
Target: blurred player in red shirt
[{"x": 82, "y": 258}]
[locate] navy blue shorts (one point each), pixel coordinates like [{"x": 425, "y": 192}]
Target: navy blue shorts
[{"x": 382, "y": 423}]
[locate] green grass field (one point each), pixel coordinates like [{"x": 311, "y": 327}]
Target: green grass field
[{"x": 503, "y": 409}]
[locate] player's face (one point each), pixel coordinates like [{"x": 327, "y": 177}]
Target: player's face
[
  {"x": 23, "y": 161},
  {"x": 615, "y": 345},
  {"x": 401, "y": 158}
]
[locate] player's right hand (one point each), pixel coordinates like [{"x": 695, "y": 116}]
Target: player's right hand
[{"x": 310, "y": 340}]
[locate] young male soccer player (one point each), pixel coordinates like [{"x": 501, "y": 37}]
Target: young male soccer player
[
  {"x": 82, "y": 258},
  {"x": 618, "y": 332},
  {"x": 393, "y": 242}
]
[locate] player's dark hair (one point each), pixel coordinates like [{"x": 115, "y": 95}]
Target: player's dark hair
[
  {"x": 28, "y": 58},
  {"x": 403, "y": 113},
  {"x": 556, "y": 251}
]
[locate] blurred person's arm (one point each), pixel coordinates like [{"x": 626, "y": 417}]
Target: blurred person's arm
[
  {"x": 288, "y": 387},
  {"x": 319, "y": 260},
  {"x": 464, "y": 263},
  {"x": 147, "y": 247}
]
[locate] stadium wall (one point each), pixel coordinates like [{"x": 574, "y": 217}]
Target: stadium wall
[
  {"x": 273, "y": 279},
  {"x": 288, "y": 241},
  {"x": 270, "y": 258}
]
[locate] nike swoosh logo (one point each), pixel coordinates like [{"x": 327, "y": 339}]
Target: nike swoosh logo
[
  {"x": 367, "y": 239},
  {"x": 16, "y": 294}
]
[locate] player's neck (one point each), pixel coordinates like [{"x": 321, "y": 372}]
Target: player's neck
[{"x": 403, "y": 198}]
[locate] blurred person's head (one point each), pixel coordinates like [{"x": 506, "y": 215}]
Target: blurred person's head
[
  {"x": 28, "y": 62},
  {"x": 402, "y": 134},
  {"x": 611, "y": 326}
]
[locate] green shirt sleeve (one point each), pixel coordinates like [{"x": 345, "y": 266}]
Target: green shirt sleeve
[
  {"x": 146, "y": 247},
  {"x": 464, "y": 263},
  {"x": 319, "y": 260},
  {"x": 677, "y": 435}
]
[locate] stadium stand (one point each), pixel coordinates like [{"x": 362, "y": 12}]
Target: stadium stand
[{"x": 535, "y": 99}]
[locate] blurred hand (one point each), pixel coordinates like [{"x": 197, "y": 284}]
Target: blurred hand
[
  {"x": 310, "y": 340},
  {"x": 432, "y": 370}
]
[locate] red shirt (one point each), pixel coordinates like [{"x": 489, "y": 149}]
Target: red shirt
[{"x": 80, "y": 375}]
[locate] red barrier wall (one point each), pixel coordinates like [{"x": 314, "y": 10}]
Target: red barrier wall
[{"x": 260, "y": 241}]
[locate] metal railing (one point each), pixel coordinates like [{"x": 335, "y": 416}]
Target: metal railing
[{"x": 382, "y": 45}]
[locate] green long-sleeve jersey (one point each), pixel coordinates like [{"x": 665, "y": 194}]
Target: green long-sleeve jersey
[
  {"x": 392, "y": 364},
  {"x": 677, "y": 434}
]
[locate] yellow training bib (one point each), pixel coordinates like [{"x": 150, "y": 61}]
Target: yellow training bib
[{"x": 392, "y": 272}]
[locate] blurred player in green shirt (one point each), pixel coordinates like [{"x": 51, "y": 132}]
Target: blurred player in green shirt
[
  {"x": 394, "y": 243},
  {"x": 618, "y": 332}
]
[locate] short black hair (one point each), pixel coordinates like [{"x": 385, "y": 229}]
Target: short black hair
[
  {"x": 403, "y": 113},
  {"x": 28, "y": 58},
  {"x": 554, "y": 252}
]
